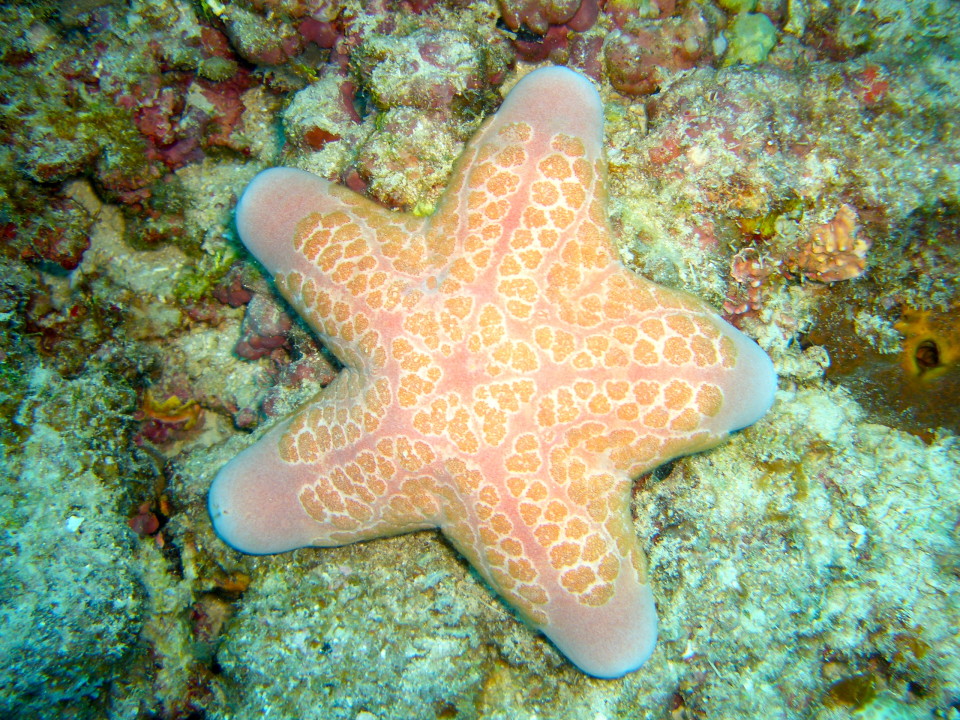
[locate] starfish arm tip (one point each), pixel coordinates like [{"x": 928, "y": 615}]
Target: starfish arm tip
[
  {"x": 557, "y": 100},
  {"x": 254, "y": 505},
  {"x": 611, "y": 641},
  {"x": 270, "y": 208},
  {"x": 753, "y": 388}
]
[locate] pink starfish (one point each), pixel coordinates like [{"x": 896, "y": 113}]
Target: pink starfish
[{"x": 505, "y": 378}]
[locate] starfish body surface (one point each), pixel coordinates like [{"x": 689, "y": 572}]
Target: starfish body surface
[{"x": 505, "y": 376}]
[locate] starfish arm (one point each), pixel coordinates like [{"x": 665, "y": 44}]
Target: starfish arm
[
  {"x": 334, "y": 473},
  {"x": 525, "y": 185},
  {"x": 347, "y": 265},
  {"x": 611, "y": 640},
  {"x": 660, "y": 375},
  {"x": 559, "y": 547},
  {"x": 254, "y": 503}
]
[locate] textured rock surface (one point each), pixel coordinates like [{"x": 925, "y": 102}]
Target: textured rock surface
[{"x": 72, "y": 603}]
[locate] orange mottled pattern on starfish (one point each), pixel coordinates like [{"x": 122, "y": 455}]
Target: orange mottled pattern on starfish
[
  {"x": 505, "y": 376},
  {"x": 513, "y": 340}
]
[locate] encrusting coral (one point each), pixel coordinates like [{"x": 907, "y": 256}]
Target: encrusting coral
[{"x": 834, "y": 250}]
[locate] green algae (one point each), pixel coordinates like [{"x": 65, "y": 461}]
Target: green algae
[
  {"x": 200, "y": 279},
  {"x": 751, "y": 37}
]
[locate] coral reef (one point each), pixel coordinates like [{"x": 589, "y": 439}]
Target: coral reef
[
  {"x": 806, "y": 570},
  {"x": 265, "y": 327},
  {"x": 821, "y": 504}
]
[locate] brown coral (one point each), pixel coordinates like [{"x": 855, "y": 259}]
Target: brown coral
[
  {"x": 931, "y": 344},
  {"x": 834, "y": 251},
  {"x": 638, "y": 62}
]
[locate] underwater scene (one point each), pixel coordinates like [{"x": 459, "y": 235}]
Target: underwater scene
[{"x": 498, "y": 360}]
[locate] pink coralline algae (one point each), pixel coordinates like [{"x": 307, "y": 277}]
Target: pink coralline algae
[
  {"x": 60, "y": 235},
  {"x": 638, "y": 60},
  {"x": 322, "y": 33},
  {"x": 232, "y": 290},
  {"x": 538, "y": 15},
  {"x": 265, "y": 327},
  {"x": 554, "y": 30},
  {"x": 157, "y": 105},
  {"x": 177, "y": 131},
  {"x": 553, "y": 46}
]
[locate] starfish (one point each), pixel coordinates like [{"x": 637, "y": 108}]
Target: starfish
[{"x": 505, "y": 377}]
